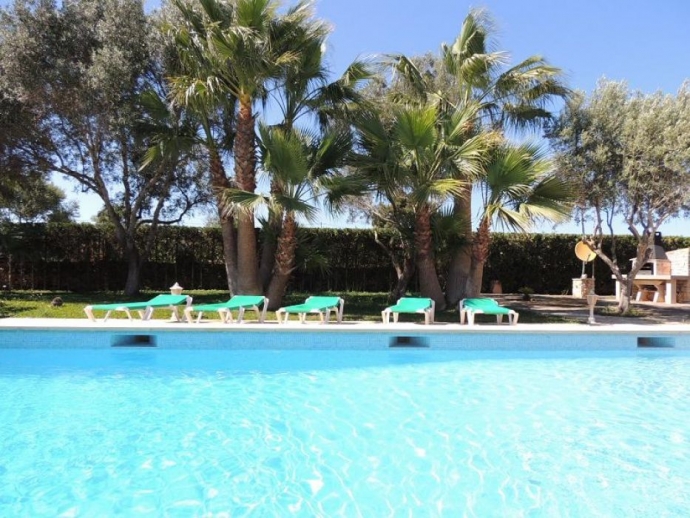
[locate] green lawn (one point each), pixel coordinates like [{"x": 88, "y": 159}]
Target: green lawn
[{"x": 358, "y": 306}]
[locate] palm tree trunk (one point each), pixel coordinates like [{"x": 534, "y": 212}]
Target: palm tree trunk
[
  {"x": 247, "y": 267},
  {"x": 461, "y": 262},
  {"x": 245, "y": 149},
  {"x": 426, "y": 266},
  {"x": 268, "y": 254},
  {"x": 284, "y": 262},
  {"x": 270, "y": 242},
  {"x": 245, "y": 175},
  {"x": 480, "y": 252},
  {"x": 228, "y": 234},
  {"x": 220, "y": 181}
]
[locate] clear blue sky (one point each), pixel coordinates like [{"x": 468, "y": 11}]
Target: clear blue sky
[{"x": 645, "y": 43}]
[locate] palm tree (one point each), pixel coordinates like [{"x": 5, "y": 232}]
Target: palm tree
[
  {"x": 198, "y": 87},
  {"x": 299, "y": 164},
  {"x": 259, "y": 48},
  {"x": 517, "y": 188},
  {"x": 516, "y": 96},
  {"x": 418, "y": 161},
  {"x": 244, "y": 48},
  {"x": 469, "y": 72},
  {"x": 304, "y": 91}
]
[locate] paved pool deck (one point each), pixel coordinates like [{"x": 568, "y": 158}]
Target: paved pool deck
[{"x": 160, "y": 325}]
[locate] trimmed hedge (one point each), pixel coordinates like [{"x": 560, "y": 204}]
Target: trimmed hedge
[{"x": 82, "y": 257}]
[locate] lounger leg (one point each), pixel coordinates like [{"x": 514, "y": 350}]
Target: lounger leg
[
  {"x": 427, "y": 315},
  {"x": 470, "y": 318},
  {"x": 499, "y": 319},
  {"x": 190, "y": 317},
  {"x": 89, "y": 313},
  {"x": 240, "y": 315},
  {"x": 339, "y": 311},
  {"x": 395, "y": 317},
  {"x": 515, "y": 316},
  {"x": 385, "y": 316},
  {"x": 107, "y": 314},
  {"x": 262, "y": 316},
  {"x": 462, "y": 316}
]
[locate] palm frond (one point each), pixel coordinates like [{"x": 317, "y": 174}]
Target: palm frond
[
  {"x": 339, "y": 188},
  {"x": 296, "y": 205},
  {"x": 415, "y": 128},
  {"x": 236, "y": 201},
  {"x": 283, "y": 154}
]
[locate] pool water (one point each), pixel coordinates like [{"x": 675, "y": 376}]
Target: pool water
[{"x": 343, "y": 433}]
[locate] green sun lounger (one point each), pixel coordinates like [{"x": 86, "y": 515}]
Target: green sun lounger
[
  {"x": 239, "y": 303},
  {"x": 471, "y": 307},
  {"x": 410, "y": 305},
  {"x": 321, "y": 305},
  {"x": 145, "y": 309}
]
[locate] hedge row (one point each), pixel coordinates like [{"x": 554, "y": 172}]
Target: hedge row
[{"x": 81, "y": 257}]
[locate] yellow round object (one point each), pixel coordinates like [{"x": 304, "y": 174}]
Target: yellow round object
[{"x": 584, "y": 253}]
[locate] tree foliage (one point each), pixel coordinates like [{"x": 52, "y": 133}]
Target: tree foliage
[
  {"x": 33, "y": 200},
  {"x": 75, "y": 71},
  {"x": 629, "y": 153}
]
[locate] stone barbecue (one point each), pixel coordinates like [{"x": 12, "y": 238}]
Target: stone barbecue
[{"x": 665, "y": 277}]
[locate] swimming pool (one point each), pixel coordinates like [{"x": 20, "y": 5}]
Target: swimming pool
[{"x": 417, "y": 432}]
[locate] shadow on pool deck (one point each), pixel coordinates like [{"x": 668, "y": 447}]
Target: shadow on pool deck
[{"x": 576, "y": 310}]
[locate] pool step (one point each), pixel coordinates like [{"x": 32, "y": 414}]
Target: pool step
[
  {"x": 133, "y": 341},
  {"x": 656, "y": 341},
  {"x": 408, "y": 341}
]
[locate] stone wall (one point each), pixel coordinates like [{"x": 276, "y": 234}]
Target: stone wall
[
  {"x": 680, "y": 261},
  {"x": 680, "y": 265}
]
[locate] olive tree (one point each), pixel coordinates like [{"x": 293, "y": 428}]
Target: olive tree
[
  {"x": 76, "y": 71},
  {"x": 629, "y": 154}
]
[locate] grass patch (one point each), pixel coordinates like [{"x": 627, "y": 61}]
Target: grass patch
[{"x": 359, "y": 306}]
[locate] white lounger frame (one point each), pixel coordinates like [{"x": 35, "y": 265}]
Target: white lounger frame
[
  {"x": 429, "y": 314},
  {"x": 144, "y": 314},
  {"x": 226, "y": 314}
]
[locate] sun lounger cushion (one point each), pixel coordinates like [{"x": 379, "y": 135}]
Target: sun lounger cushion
[
  {"x": 410, "y": 305},
  {"x": 470, "y": 307},
  {"x": 323, "y": 306},
  {"x": 145, "y": 309},
  {"x": 239, "y": 303}
]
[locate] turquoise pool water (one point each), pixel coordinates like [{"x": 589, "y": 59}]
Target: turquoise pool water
[{"x": 123, "y": 432}]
